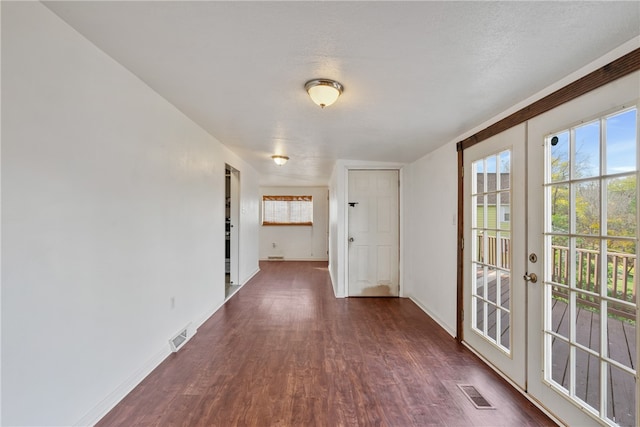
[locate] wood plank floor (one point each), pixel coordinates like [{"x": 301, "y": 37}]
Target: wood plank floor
[{"x": 284, "y": 352}]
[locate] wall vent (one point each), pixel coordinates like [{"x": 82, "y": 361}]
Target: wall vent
[
  {"x": 275, "y": 258},
  {"x": 181, "y": 338}
]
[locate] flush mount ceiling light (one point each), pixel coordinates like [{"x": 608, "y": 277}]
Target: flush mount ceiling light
[
  {"x": 279, "y": 160},
  {"x": 323, "y": 92}
]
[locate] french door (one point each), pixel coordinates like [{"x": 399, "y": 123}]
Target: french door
[
  {"x": 494, "y": 303},
  {"x": 583, "y": 220},
  {"x": 550, "y": 256}
]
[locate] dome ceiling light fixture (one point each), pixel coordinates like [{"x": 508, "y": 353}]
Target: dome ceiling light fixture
[
  {"x": 279, "y": 160},
  {"x": 323, "y": 92}
]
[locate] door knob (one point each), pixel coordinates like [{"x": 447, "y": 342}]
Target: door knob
[
  {"x": 351, "y": 239},
  {"x": 533, "y": 278}
]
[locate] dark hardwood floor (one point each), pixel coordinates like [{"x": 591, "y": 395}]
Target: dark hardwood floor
[{"x": 284, "y": 352}]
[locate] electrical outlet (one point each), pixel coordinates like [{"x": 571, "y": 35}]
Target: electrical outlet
[{"x": 273, "y": 245}]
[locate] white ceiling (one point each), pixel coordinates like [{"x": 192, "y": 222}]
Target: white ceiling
[{"x": 416, "y": 74}]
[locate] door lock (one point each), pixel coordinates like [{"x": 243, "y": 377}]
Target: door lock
[{"x": 533, "y": 278}]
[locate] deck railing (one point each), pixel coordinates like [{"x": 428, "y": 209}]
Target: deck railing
[
  {"x": 621, "y": 278},
  {"x": 621, "y": 273},
  {"x": 495, "y": 246}
]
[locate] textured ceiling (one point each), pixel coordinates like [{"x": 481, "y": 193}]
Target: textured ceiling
[{"x": 416, "y": 74}]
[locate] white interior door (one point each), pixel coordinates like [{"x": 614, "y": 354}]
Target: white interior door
[
  {"x": 583, "y": 192},
  {"x": 494, "y": 255},
  {"x": 373, "y": 233}
]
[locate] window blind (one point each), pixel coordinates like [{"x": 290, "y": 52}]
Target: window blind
[{"x": 287, "y": 210}]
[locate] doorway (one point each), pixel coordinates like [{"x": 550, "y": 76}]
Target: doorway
[
  {"x": 231, "y": 235},
  {"x": 550, "y": 256},
  {"x": 373, "y": 233}
]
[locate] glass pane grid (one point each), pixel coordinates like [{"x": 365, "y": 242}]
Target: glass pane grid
[
  {"x": 491, "y": 257},
  {"x": 590, "y": 240}
]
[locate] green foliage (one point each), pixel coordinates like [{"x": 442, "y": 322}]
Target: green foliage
[{"x": 621, "y": 209}]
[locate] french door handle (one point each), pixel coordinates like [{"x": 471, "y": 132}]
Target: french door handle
[
  {"x": 533, "y": 278},
  {"x": 351, "y": 239}
]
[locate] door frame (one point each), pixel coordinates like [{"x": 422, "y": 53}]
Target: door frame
[
  {"x": 602, "y": 76},
  {"x": 345, "y": 243},
  {"x": 234, "y": 230}
]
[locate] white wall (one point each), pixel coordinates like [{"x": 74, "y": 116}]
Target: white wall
[
  {"x": 430, "y": 235},
  {"x": 113, "y": 203},
  {"x": 305, "y": 243}
]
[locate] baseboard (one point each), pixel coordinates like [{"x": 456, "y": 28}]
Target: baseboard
[
  {"x": 250, "y": 276},
  {"x": 433, "y": 316},
  {"x": 208, "y": 314},
  {"x": 108, "y": 403}
]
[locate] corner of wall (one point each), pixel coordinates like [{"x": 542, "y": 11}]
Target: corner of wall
[
  {"x": 436, "y": 318},
  {"x": 336, "y": 293}
]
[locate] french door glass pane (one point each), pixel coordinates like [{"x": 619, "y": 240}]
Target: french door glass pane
[
  {"x": 590, "y": 252},
  {"x": 559, "y": 158},
  {"x": 587, "y": 309},
  {"x": 493, "y": 285},
  {"x": 560, "y": 363},
  {"x": 505, "y": 290},
  {"x": 586, "y": 207},
  {"x": 587, "y": 264},
  {"x": 491, "y": 260},
  {"x": 559, "y": 195},
  {"x": 620, "y": 388},
  {"x": 586, "y": 150},
  {"x": 620, "y": 136},
  {"x": 588, "y": 378},
  {"x": 621, "y": 206}
]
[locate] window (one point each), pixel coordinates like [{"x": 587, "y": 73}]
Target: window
[
  {"x": 505, "y": 214},
  {"x": 287, "y": 210}
]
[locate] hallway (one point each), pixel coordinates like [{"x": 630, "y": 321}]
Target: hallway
[{"x": 283, "y": 351}]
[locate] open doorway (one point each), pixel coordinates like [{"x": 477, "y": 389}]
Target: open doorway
[{"x": 232, "y": 219}]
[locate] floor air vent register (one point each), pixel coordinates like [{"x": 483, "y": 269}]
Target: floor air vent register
[
  {"x": 181, "y": 338},
  {"x": 475, "y": 397}
]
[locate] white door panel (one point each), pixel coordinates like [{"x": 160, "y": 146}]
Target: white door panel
[
  {"x": 595, "y": 377},
  {"x": 373, "y": 233},
  {"x": 494, "y": 266}
]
